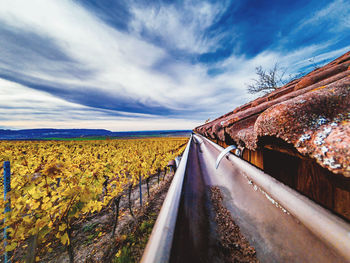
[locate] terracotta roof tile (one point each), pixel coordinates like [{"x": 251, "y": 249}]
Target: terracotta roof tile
[{"x": 312, "y": 113}]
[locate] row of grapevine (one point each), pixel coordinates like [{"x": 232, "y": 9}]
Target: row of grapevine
[{"x": 54, "y": 182}]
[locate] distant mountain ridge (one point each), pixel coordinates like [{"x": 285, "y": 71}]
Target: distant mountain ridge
[{"x": 38, "y": 134}]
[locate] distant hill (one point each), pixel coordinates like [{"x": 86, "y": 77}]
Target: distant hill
[{"x": 37, "y": 134}]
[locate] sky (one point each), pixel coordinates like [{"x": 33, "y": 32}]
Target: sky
[{"x": 127, "y": 65}]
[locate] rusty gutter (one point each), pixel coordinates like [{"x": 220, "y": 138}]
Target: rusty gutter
[{"x": 159, "y": 247}]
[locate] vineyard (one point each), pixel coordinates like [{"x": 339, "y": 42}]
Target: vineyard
[{"x": 54, "y": 183}]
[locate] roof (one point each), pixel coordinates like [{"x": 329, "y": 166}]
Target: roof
[{"x": 312, "y": 113}]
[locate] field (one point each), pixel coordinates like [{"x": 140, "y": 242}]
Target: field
[{"x": 54, "y": 183}]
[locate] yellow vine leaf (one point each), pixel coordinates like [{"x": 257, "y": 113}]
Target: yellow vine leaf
[
  {"x": 34, "y": 193},
  {"x": 80, "y": 177},
  {"x": 35, "y": 205},
  {"x": 11, "y": 246},
  {"x": 65, "y": 239},
  {"x": 62, "y": 227},
  {"x": 27, "y": 219},
  {"x": 46, "y": 206}
]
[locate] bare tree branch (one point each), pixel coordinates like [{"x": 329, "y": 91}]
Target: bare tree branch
[{"x": 267, "y": 81}]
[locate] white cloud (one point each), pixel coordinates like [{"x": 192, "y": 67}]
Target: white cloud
[
  {"x": 116, "y": 58},
  {"x": 13, "y": 95},
  {"x": 179, "y": 27},
  {"x": 22, "y": 108},
  {"x": 336, "y": 13},
  {"x": 123, "y": 65},
  {"x": 21, "y": 102}
]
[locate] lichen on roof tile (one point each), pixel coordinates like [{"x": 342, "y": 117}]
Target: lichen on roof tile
[{"x": 312, "y": 113}]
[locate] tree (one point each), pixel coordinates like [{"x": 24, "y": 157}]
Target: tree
[
  {"x": 267, "y": 81},
  {"x": 274, "y": 78}
]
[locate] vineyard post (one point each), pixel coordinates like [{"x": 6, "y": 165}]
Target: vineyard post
[
  {"x": 32, "y": 245},
  {"x": 158, "y": 172},
  {"x": 116, "y": 204},
  {"x": 140, "y": 186},
  {"x": 129, "y": 195},
  {"x": 69, "y": 246},
  {"x": 58, "y": 180},
  {"x": 147, "y": 182},
  {"x": 7, "y": 189}
]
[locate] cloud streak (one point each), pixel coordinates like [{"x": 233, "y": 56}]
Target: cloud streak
[{"x": 136, "y": 64}]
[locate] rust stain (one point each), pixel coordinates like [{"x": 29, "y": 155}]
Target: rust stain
[
  {"x": 322, "y": 87},
  {"x": 307, "y": 81}
]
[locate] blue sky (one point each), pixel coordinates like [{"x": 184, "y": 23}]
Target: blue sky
[{"x": 149, "y": 65}]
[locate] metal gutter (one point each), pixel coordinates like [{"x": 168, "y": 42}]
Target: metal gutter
[
  {"x": 280, "y": 223},
  {"x": 158, "y": 248},
  {"x": 329, "y": 228}
]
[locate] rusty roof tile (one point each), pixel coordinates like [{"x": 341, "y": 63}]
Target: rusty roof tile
[{"x": 312, "y": 113}]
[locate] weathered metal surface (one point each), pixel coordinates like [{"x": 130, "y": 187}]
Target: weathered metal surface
[
  {"x": 223, "y": 154},
  {"x": 193, "y": 238},
  {"x": 161, "y": 240},
  {"x": 281, "y": 224}
]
